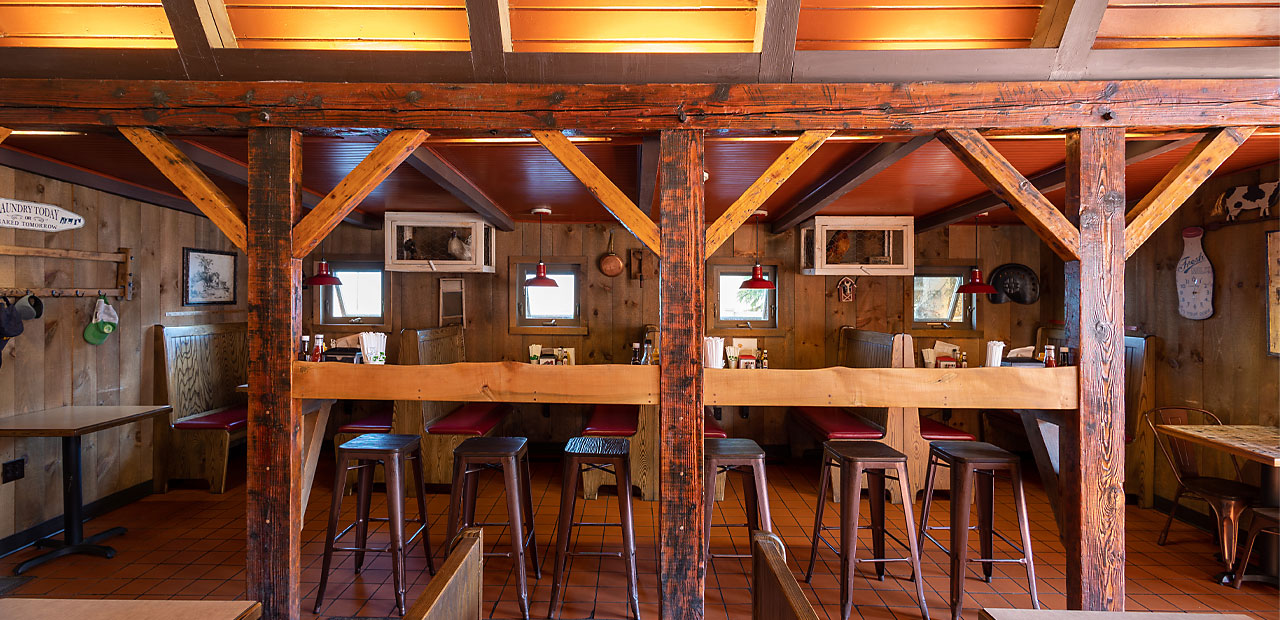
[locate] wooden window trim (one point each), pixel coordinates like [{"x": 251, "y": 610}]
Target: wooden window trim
[
  {"x": 515, "y": 286},
  {"x": 335, "y": 263},
  {"x": 781, "y": 312},
  {"x": 947, "y": 267}
]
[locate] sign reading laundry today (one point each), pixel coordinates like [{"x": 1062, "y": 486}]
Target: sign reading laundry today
[{"x": 37, "y": 216}]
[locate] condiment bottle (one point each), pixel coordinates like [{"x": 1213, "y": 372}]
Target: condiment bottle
[
  {"x": 635, "y": 354},
  {"x": 964, "y": 359},
  {"x": 646, "y": 356},
  {"x": 1050, "y": 360},
  {"x": 305, "y": 352},
  {"x": 1064, "y": 357},
  {"x": 318, "y": 348},
  {"x": 764, "y": 358}
]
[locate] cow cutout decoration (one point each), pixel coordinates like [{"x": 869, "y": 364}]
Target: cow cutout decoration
[{"x": 1262, "y": 197}]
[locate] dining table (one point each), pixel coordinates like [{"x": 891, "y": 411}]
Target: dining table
[
  {"x": 1252, "y": 442},
  {"x": 71, "y": 424}
]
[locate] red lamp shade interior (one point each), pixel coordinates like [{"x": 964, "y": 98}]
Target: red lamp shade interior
[
  {"x": 975, "y": 285},
  {"x": 540, "y": 278},
  {"x": 323, "y": 277},
  {"x": 757, "y": 280}
]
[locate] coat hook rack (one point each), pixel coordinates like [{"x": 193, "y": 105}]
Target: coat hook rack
[{"x": 124, "y": 272}]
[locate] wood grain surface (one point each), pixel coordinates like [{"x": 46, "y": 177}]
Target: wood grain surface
[
  {"x": 86, "y": 609},
  {"x": 75, "y": 420},
  {"x": 1256, "y": 443}
]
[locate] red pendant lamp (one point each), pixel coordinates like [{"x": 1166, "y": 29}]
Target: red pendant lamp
[
  {"x": 323, "y": 276},
  {"x": 757, "y": 281},
  {"x": 976, "y": 285},
  {"x": 540, "y": 275}
]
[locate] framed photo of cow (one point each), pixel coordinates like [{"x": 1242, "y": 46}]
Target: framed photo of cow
[
  {"x": 209, "y": 277},
  {"x": 1273, "y": 292}
]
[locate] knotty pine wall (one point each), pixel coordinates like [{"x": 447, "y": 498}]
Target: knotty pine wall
[
  {"x": 1220, "y": 363},
  {"x": 50, "y": 364},
  {"x": 619, "y": 308}
]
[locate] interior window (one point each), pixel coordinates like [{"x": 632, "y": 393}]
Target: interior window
[
  {"x": 360, "y": 299},
  {"x": 559, "y": 302},
  {"x": 548, "y": 309},
  {"x": 739, "y": 308},
  {"x": 937, "y": 302}
]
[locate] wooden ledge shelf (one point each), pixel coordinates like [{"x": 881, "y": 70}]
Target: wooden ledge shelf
[{"x": 968, "y": 388}]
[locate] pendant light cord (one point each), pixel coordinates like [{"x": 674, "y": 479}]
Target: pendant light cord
[{"x": 539, "y": 237}]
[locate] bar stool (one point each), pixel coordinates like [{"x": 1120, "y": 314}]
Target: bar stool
[
  {"x": 391, "y": 451},
  {"x": 725, "y": 455},
  {"x": 968, "y": 460},
  {"x": 875, "y": 459},
  {"x": 511, "y": 455},
  {"x": 584, "y": 454}
]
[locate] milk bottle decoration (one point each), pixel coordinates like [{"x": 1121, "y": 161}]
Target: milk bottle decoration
[{"x": 1195, "y": 277}]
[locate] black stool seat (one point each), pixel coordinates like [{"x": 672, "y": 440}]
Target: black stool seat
[
  {"x": 874, "y": 460},
  {"x": 380, "y": 442},
  {"x": 511, "y": 456},
  {"x": 976, "y": 453},
  {"x": 732, "y": 448},
  {"x": 598, "y": 446},
  {"x": 492, "y": 446}
]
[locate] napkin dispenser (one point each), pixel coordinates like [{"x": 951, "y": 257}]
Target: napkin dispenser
[{"x": 350, "y": 355}]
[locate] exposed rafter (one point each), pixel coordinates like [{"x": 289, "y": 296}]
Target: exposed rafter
[
  {"x": 1078, "y": 34},
  {"x": 442, "y": 173},
  {"x": 1180, "y": 182},
  {"x": 358, "y": 184},
  {"x": 778, "y": 39},
  {"x": 1050, "y": 180},
  {"x": 1051, "y": 22},
  {"x": 855, "y": 173},
  {"x": 4, "y": 133},
  {"x": 774, "y": 176},
  {"x": 194, "y": 49},
  {"x": 1032, "y": 207},
  {"x": 605, "y": 191},
  {"x": 191, "y": 181},
  {"x": 489, "y": 25}
]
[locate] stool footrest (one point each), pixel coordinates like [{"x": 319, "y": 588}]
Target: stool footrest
[
  {"x": 595, "y": 524},
  {"x": 607, "y": 554},
  {"x": 730, "y": 555}
]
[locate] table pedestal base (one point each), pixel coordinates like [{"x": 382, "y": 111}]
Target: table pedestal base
[{"x": 61, "y": 548}]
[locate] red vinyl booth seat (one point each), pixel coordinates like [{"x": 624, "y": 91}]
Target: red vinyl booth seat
[
  {"x": 229, "y": 420},
  {"x": 612, "y": 421},
  {"x": 835, "y": 423},
  {"x": 377, "y": 423},
  {"x": 933, "y": 430},
  {"x": 470, "y": 419},
  {"x": 712, "y": 429}
]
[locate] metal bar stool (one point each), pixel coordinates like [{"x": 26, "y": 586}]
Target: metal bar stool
[
  {"x": 511, "y": 455},
  {"x": 973, "y": 464},
  {"x": 583, "y": 454},
  {"x": 725, "y": 455},
  {"x": 875, "y": 460},
  {"x": 369, "y": 450}
]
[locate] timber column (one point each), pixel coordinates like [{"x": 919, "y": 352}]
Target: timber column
[
  {"x": 682, "y": 567},
  {"x": 1093, "y": 442},
  {"x": 274, "y": 503}
]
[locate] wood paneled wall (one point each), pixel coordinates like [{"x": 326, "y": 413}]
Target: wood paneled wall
[
  {"x": 51, "y": 365},
  {"x": 1220, "y": 363},
  {"x": 619, "y": 308}
]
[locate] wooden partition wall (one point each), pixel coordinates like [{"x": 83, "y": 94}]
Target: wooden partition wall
[{"x": 1094, "y": 241}]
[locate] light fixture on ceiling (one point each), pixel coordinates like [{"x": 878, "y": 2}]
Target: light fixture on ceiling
[
  {"x": 44, "y": 132},
  {"x": 540, "y": 275},
  {"x": 323, "y": 276},
  {"x": 787, "y": 138},
  {"x": 757, "y": 281},
  {"x": 512, "y": 140},
  {"x": 976, "y": 285}
]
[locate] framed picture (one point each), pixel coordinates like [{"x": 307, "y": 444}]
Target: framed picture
[
  {"x": 209, "y": 277},
  {"x": 1273, "y": 292}
]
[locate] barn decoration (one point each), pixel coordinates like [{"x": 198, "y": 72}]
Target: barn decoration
[
  {"x": 844, "y": 288},
  {"x": 1262, "y": 197},
  {"x": 1194, "y": 277},
  {"x": 37, "y": 216}
]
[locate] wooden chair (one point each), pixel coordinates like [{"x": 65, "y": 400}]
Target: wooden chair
[
  {"x": 1227, "y": 498},
  {"x": 457, "y": 590},
  {"x": 775, "y": 593}
]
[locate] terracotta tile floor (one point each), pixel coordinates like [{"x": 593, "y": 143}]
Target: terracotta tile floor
[{"x": 190, "y": 544}]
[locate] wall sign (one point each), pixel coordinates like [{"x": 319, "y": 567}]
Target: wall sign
[{"x": 37, "y": 216}]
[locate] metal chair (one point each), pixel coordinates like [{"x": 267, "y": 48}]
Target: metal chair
[
  {"x": 1266, "y": 520},
  {"x": 1227, "y": 498}
]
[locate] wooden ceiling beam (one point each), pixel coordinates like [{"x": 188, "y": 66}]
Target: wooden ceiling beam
[
  {"x": 195, "y": 26},
  {"x": 1180, "y": 182},
  {"x": 220, "y": 164},
  {"x": 427, "y": 161},
  {"x": 1051, "y": 22},
  {"x": 647, "y": 174},
  {"x": 4, "y": 133},
  {"x": 352, "y": 189},
  {"x": 855, "y": 173},
  {"x": 1078, "y": 34},
  {"x": 914, "y": 108},
  {"x": 489, "y": 25},
  {"x": 774, "y": 176},
  {"x": 781, "y": 21},
  {"x": 191, "y": 181},
  {"x": 1050, "y": 180},
  {"x": 600, "y": 186},
  {"x": 1031, "y": 206}
]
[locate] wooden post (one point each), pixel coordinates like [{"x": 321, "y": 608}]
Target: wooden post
[
  {"x": 274, "y": 502},
  {"x": 1093, "y": 442},
  {"x": 680, "y": 301}
]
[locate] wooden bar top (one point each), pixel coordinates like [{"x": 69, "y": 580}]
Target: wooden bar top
[
  {"x": 1062, "y": 614},
  {"x": 91, "y": 609},
  {"x": 75, "y": 420}
]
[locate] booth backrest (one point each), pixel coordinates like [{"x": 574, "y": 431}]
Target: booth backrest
[
  {"x": 1139, "y": 370},
  {"x": 202, "y": 365},
  {"x": 457, "y": 591},
  {"x": 775, "y": 593},
  {"x": 861, "y": 348},
  {"x": 437, "y": 345}
]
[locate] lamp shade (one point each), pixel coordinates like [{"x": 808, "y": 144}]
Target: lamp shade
[
  {"x": 975, "y": 285},
  {"x": 323, "y": 277},
  {"x": 540, "y": 277},
  {"x": 757, "y": 280}
]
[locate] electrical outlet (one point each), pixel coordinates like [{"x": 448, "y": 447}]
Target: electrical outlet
[{"x": 13, "y": 470}]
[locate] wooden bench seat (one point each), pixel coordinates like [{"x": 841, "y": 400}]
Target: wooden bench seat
[
  {"x": 834, "y": 423},
  {"x": 933, "y": 430},
  {"x": 443, "y": 435},
  {"x": 231, "y": 419},
  {"x": 379, "y": 422}
]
